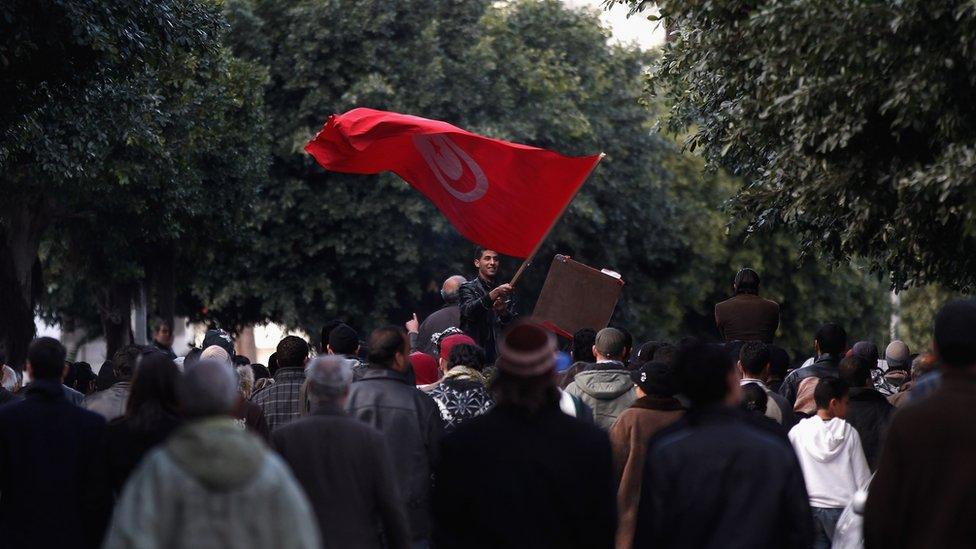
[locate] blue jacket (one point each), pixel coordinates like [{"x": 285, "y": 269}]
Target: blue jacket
[
  {"x": 721, "y": 478},
  {"x": 51, "y": 491}
]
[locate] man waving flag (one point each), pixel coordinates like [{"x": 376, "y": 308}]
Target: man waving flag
[{"x": 502, "y": 196}]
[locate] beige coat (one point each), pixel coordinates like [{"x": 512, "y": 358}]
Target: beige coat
[{"x": 628, "y": 437}]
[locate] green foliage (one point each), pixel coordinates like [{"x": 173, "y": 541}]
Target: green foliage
[
  {"x": 130, "y": 138},
  {"x": 851, "y": 121},
  {"x": 367, "y": 248}
]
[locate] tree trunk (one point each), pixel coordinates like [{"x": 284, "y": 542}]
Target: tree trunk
[
  {"x": 163, "y": 279},
  {"x": 21, "y": 228},
  {"x": 115, "y": 310}
]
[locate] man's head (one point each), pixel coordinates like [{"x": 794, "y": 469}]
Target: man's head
[
  {"x": 831, "y": 397},
  {"x": 655, "y": 379},
  {"x": 448, "y": 344},
  {"x": 467, "y": 355},
  {"x": 609, "y": 344},
  {"x": 343, "y": 340},
  {"x": 746, "y": 281},
  {"x": 628, "y": 343},
  {"x": 124, "y": 362},
  {"x": 163, "y": 332},
  {"x": 955, "y": 334},
  {"x": 208, "y": 388},
  {"x": 449, "y": 290},
  {"x": 328, "y": 377},
  {"x": 9, "y": 379},
  {"x": 292, "y": 352},
  {"x": 45, "y": 359},
  {"x": 487, "y": 262},
  {"x": 897, "y": 356},
  {"x": 219, "y": 338},
  {"x": 831, "y": 339},
  {"x": 866, "y": 350},
  {"x": 754, "y": 360},
  {"x": 526, "y": 366},
  {"x": 707, "y": 374},
  {"x": 389, "y": 348},
  {"x": 583, "y": 340},
  {"x": 856, "y": 371}
]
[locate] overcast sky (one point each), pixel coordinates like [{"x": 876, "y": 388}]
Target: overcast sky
[{"x": 636, "y": 28}]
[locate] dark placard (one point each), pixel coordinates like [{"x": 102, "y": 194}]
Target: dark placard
[{"x": 576, "y": 296}]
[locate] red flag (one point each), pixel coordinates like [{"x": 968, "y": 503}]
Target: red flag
[{"x": 499, "y": 195}]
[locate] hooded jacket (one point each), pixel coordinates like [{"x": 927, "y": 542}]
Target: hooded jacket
[
  {"x": 832, "y": 460},
  {"x": 607, "y": 389},
  {"x": 200, "y": 489}
]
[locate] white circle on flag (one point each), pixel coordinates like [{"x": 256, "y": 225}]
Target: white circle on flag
[{"x": 445, "y": 158}]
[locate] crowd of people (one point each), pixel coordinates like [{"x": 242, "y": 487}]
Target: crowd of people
[{"x": 474, "y": 429}]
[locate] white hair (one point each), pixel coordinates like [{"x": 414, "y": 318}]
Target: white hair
[
  {"x": 10, "y": 379},
  {"x": 208, "y": 388},
  {"x": 328, "y": 377}
]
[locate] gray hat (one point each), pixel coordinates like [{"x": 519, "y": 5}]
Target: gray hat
[{"x": 898, "y": 356}]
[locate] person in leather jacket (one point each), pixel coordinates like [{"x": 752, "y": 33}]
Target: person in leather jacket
[{"x": 486, "y": 306}]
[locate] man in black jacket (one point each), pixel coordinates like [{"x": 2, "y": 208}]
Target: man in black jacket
[
  {"x": 486, "y": 306},
  {"x": 829, "y": 345},
  {"x": 868, "y": 411},
  {"x": 343, "y": 465},
  {"x": 408, "y": 419},
  {"x": 525, "y": 474},
  {"x": 719, "y": 477},
  {"x": 50, "y": 494}
]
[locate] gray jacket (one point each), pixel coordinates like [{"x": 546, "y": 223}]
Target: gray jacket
[
  {"x": 411, "y": 425},
  {"x": 200, "y": 489},
  {"x": 109, "y": 403},
  {"x": 605, "y": 387}
]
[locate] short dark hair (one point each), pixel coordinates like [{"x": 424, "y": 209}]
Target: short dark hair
[
  {"x": 260, "y": 371},
  {"x": 384, "y": 344},
  {"x": 292, "y": 352},
  {"x": 343, "y": 339},
  {"x": 955, "y": 333},
  {"x": 829, "y": 388},
  {"x": 125, "y": 360},
  {"x": 479, "y": 251},
  {"x": 46, "y": 356},
  {"x": 582, "y": 349},
  {"x": 159, "y": 323},
  {"x": 855, "y": 370},
  {"x": 754, "y": 398},
  {"x": 628, "y": 342},
  {"x": 241, "y": 360},
  {"x": 703, "y": 369},
  {"x": 779, "y": 361},
  {"x": 273, "y": 363},
  {"x": 326, "y": 330},
  {"x": 665, "y": 353},
  {"x": 746, "y": 281},
  {"x": 463, "y": 354},
  {"x": 832, "y": 339},
  {"x": 754, "y": 356}
]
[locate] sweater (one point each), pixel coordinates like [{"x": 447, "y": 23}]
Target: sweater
[{"x": 832, "y": 460}]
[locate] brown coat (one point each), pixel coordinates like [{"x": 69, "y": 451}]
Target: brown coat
[
  {"x": 629, "y": 437},
  {"x": 922, "y": 494},
  {"x": 747, "y": 317}
]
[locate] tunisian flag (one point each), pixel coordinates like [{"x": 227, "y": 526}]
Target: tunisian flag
[{"x": 499, "y": 195}]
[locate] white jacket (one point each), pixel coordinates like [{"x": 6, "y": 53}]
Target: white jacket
[{"x": 832, "y": 460}]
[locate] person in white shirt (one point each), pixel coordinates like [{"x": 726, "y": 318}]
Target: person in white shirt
[{"x": 831, "y": 457}]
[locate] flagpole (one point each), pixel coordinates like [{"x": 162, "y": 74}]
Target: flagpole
[{"x": 528, "y": 260}]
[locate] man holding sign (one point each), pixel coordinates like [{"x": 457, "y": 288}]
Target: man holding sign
[{"x": 486, "y": 306}]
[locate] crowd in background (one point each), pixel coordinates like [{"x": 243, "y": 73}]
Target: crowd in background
[{"x": 474, "y": 429}]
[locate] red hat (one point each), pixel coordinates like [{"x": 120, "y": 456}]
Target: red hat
[
  {"x": 424, "y": 368},
  {"x": 527, "y": 350},
  {"x": 450, "y": 341}
]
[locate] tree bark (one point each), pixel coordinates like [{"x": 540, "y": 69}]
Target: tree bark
[
  {"x": 21, "y": 227},
  {"x": 115, "y": 310}
]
